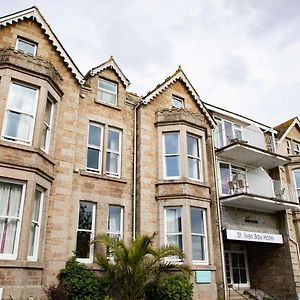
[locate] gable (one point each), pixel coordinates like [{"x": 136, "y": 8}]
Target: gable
[
  {"x": 179, "y": 76},
  {"x": 34, "y": 14}
]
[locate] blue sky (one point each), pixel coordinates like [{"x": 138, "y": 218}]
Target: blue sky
[{"x": 241, "y": 55}]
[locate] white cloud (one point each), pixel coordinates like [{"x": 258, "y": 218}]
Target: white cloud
[{"x": 240, "y": 55}]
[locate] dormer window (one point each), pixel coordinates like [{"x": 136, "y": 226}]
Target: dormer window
[
  {"x": 177, "y": 102},
  {"x": 107, "y": 92},
  {"x": 26, "y": 46}
]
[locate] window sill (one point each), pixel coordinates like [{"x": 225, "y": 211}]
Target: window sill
[
  {"x": 21, "y": 264},
  {"x": 182, "y": 181},
  {"x": 108, "y": 105},
  {"x": 98, "y": 176}
]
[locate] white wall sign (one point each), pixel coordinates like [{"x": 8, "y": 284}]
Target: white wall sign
[{"x": 254, "y": 236}]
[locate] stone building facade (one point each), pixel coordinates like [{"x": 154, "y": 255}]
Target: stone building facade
[{"x": 80, "y": 155}]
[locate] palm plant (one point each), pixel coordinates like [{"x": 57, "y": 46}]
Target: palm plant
[{"x": 131, "y": 269}]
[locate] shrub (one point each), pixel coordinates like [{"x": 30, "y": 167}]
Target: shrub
[
  {"x": 55, "y": 292},
  {"x": 175, "y": 287},
  {"x": 81, "y": 282}
]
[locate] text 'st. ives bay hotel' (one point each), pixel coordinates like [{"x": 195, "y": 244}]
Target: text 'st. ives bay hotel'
[{"x": 222, "y": 187}]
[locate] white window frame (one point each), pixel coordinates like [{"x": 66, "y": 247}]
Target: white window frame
[
  {"x": 231, "y": 166},
  {"x": 179, "y": 99},
  {"x": 48, "y": 126},
  {"x": 95, "y": 147},
  {"x": 172, "y": 154},
  {"x": 288, "y": 147},
  {"x": 91, "y": 231},
  {"x": 204, "y": 235},
  {"x": 199, "y": 159},
  {"x": 295, "y": 183},
  {"x": 297, "y": 148},
  {"x": 109, "y": 232},
  {"x": 25, "y": 41},
  {"x": 34, "y": 257},
  {"x": 14, "y": 255},
  {"x": 118, "y": 153},
  {"x": 234, "y": 127},
  {"x": 107, "y": 91},
  {"x": 14, "y": 139},
  {"x": 174, "y": 258}
]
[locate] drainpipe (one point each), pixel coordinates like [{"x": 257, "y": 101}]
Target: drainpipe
[
  {"x": 134, "y": 173},
  {"x": 219, "y": 216},
  {"x": 290, "y": 238}
]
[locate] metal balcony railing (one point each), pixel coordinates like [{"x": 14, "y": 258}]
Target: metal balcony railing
[
  {"x": 265, "y": 188},
  {"x": 250, "y": 135}
]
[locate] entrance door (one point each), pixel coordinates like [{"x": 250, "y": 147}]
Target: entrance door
[{"x": 237, "y": 269}]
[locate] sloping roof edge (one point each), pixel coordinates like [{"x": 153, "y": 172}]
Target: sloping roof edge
[
  {"x": 34, "y": 13},
  {"x": 289, "y": 128},
  {"x": 178, "y": 75},
  {"x": 111, "y": 63}
]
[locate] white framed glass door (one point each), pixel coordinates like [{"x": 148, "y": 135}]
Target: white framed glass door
[{"x": 237, "y": 269}]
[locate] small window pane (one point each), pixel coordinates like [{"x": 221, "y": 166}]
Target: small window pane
[
  {"x": 175, "y": 240},
  {"x": 194, "y": 168},
  {"x": 172, "y": 166},
  {"x": 198, "y": 247},
  {"x": 225, "y": 178},
  {"x": 112, "y": 162},
  {"x": 114, "y": 219},
  {"x": 83, "y": 244},
  {"x": 177, "y": 102},
  {"x": 103, "y": 84},
  {"x": 36, "y": 206},
  {"x": 173, "y": 220},
  {"x": 197, "y": 225},
  {"x": 8, "y": 231},
  {"x": 48, "y": 112},
  {"x": 171, "y": 143},
  {"x": 192, "y": 145},
  {"x": 107, "y": 97},
  {"x": 113, "y": 140},
  {"x": 94, "y": 135},
  {"x": 18, "y": 125},
  {"x": 93, "y": 159},
  {"x": 85, "y": 216},
  {"x": 26, "y": 46},
  {"x": 22, "y": 99}
]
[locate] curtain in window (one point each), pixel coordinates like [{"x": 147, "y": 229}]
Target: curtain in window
[{"x": 10, "y": 200}]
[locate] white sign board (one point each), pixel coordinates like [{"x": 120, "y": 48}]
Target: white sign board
[{"x": 253, "y": 236}]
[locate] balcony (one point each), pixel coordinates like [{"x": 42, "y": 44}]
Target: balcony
[
  {"x": 259, "y": 192},
  {"x": 248, "y": 146}
]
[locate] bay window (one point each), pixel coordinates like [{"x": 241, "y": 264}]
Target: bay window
[
  {"x": 107, "y": 91},
  {"x": 198, "y": 235},
  {"x": 85, "y": 231},
  {"x": 113, "y": 153},
  {"x": 11, "y": 207},
  {"x": 173, "y": 227},
  {"x": 171, "y": 155},
  {"x": 115, "y": 222},
  {"x": 194, "y": 157},
  {"x": 36, "y": 216},
  {"x": 94, "y": 151},
  {"x": 20, "y": 113}
]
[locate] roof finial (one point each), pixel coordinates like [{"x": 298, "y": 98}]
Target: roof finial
[
  {"x": 179, "y": 67},
  {"x": 111, "y": 57}
]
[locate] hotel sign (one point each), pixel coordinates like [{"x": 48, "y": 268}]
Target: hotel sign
[{"x": 254, "y": 236}]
